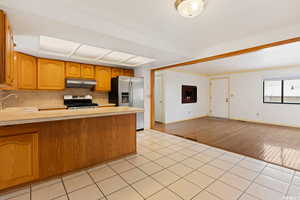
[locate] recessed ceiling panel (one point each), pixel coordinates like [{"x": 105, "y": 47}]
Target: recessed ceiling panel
[
  {"x": 57, "y": 46},
  {"x": 89, "y": 52},
  {"x": 116, "y": 57},
  {"x": 139, "y": 61}
]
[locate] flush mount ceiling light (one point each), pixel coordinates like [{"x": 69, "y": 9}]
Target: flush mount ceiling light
[{"x": 189, "y": 8}]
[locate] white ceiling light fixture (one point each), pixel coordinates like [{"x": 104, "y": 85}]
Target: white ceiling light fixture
[{"x": 189, "y": 8}]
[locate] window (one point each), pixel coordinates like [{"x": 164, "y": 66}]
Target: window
[
  {"x": 291, "y": 91},
  {"x": 286, "y": 91},
  {"x": 272, "y": 91}
]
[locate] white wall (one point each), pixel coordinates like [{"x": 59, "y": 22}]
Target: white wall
[
  {"x": 145, "y": 73},
  {"x": 159, "y": 98},
  {"x": 247, "y": 98},
  {"x": 174, "y": 109}
]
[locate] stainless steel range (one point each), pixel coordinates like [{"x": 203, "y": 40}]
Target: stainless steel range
[{"x": 79, "y": 102}]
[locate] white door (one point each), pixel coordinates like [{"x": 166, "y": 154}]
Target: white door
[
  {"x": 219, "y": 98},
  {"x": 159, "y": 106}
]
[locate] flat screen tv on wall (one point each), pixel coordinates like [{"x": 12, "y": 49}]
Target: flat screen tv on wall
[{"x": 188, "y": 94}]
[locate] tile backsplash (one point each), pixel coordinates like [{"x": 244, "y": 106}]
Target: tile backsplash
[{"x": 45, "y": 99}]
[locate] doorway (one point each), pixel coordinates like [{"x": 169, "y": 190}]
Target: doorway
[{"x": 219, "y": 97}]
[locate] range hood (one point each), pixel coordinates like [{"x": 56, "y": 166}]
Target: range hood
[{"x": 80, "y": 83}]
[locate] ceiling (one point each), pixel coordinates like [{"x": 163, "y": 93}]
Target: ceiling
[
  {"x": 287, "y": 55},
  {"x": 153, "y": 29},
  {"x": 64, "y": 49}
]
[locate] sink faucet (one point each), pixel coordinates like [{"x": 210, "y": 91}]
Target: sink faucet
[{"x": 2, "y": 100}]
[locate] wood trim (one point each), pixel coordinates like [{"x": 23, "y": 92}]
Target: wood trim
[
  {"x": 183, "y": 120},
  {"x": 202, "y": 60},
  {"x": 2, "y": 47},
  {"x": 232, "y": 53},
  {"x": 265, "y": 123}
]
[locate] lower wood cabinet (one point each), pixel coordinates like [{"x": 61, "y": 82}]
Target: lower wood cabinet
[
  {"x": 27, "y": 71},
  {"x": 19, "y": 159},
  {"x": 51, "y": 74},
  {"x": 32, "y": 152},
  {"x": 103, "y": 77}
]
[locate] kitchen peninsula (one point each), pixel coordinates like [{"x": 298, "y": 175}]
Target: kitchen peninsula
[{"x": 40, "y": 144}]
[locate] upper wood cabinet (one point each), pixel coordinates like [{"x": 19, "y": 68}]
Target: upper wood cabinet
[
  {"x": 26, "y": 67},
  {"x": 116, "y": 72},
  {"x": 103, "y": 77},
  {"x": 73, "y": 70},
  {"x": 19, "y": 159},
  {"x": 51, "y": 74},
  {"x": 7, "y": 70},
  {"x": 87, "y": 71},
  {"x": 128, "y": 72}
]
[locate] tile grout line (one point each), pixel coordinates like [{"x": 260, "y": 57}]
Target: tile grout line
[
  {"x": 128, "y": 184},
  {"x": 63, "y": 183},
  {"x": 236, "y": 164},
  {"x": 291, "y": 184},
  {"x": 217, "y": 179},
  {"x": 91, "y": 177},
  {"x": 251, "y": 183},
  {"x": 245, "y": 168},
  {"x": 193, "y": 170}
]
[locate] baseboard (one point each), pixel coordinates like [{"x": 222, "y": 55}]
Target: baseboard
[
  {"x": 267, "y": 123},
  {"x": 202, "y": 116}
]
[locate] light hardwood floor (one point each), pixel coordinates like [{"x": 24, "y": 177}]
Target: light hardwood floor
[{"x": 275, "y": 144}]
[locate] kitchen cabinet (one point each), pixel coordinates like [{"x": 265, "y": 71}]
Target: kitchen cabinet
[
  {"x": 19, "y": 159},
  {"x": 116, "y": 72},
  {"x": 51, "y": 74},
  {"x": 128, "y": 72},
  {"x": 87, "y": 71},
  {"x": 73, "y": 70},
  {"x": 7, "y": 70},
  {"x": 26, "y": 67},
  {"x": 36, "y": 151},
  {"x": 103, "y": 77}
]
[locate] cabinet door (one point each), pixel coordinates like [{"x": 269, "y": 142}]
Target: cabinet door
[
  {"x": 103, "y": 76},
  {"x": 73, "y": 70},
  {"x": 27, "y": 71},
  {"x": 128, "y": 72},
  {"x": 116, "y": 72},
  {"x": 87, "y": 71},
  {"x": 51, "y": 74},
  {"x": 19, "y": 159}
]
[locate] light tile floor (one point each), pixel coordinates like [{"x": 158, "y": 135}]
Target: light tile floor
[{"x": 170, "y": 168}]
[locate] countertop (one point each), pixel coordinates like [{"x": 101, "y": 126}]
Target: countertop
[{"x": 24, "y": 117}]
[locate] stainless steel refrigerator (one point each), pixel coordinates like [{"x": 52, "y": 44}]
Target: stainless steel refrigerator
[{"x": 129, "y": 91}]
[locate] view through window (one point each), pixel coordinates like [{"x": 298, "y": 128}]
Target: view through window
[{"x": 286, "y": 91}]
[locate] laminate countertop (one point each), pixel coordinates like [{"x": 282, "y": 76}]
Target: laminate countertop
[{"x": 25, "y": 117}]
